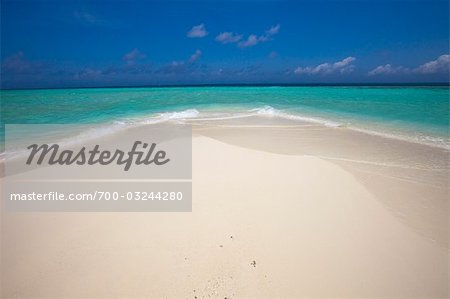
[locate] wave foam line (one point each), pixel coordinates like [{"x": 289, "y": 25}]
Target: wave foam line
[
  {"x": 377, "y": 163},
  {"x": 189, "y": 115},
  {"x": 270, "y": 111},
  {"x": 424, "y": 140}
]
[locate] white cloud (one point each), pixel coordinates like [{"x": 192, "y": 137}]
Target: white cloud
[
  {"x": 343, "y": 63},
  {"x": 251, "y": 40},
  {"x": 197, "y": 31},
  {"x": 180, "y": 66},
  {"x": 195, "y": 56},
  {"x": 382, "y": 69},
  {"x": 269, "y": 33},
  {"x": 388, "y": 69},
  {"x": 273, "y": 30},
  {"x": 342, "y": 66},
  {"x": 228, "y": 37},
  {"x": 133, "y": 56},
  {"x": 441, "y": 64}
]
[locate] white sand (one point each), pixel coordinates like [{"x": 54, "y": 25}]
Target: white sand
[{"x": 313, "y": 229}]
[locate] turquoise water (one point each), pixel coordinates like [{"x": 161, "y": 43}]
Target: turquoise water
[{"x": 420, "y": 114}]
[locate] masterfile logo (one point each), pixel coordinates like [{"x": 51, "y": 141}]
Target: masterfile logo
[
  {"x": 148, "y": 155},
  {"x": 132, "y": 170},
  {"x": 161, "y": 151}
]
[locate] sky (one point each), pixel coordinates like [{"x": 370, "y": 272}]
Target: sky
[{"x": 57, "y": 44}]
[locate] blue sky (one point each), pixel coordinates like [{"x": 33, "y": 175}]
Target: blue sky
[{"x": 118, "y": 43}]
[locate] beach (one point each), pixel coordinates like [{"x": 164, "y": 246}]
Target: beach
[
  {"x": 281, "y": 209},
  {"x": 224, "y": 149}
]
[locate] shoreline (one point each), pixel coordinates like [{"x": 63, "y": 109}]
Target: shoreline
[
  {"x": 264, "y": 117},
  {"x": 392, "y": 170}
]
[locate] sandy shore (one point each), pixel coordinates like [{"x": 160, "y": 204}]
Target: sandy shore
[{"x": 279, "y": 211}]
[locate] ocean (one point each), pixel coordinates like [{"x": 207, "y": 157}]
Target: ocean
[{"x": 415, "y": 113}]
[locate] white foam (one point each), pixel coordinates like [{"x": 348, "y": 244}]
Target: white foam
[
  {"x": 421, "y": 139},
  {"x": 269, "y": 111},
  {"x": 272, "y": 112},
  {"x": 186, "y": 114}
]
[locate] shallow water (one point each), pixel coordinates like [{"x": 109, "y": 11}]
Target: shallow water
[{"x": 419, "y": 114}]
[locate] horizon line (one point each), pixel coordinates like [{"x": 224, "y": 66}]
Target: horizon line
[{"x": 374, "y": 84}]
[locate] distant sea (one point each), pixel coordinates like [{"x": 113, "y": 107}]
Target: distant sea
[{"x": 415, "y": 113}]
